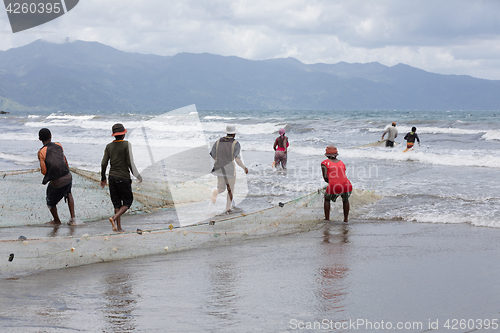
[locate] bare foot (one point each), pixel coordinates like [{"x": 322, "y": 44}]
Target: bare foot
[
  {"x": 113, "y": 225},
  {"x": 53, "y": 223},
  {"x": 73, "y": 221}
]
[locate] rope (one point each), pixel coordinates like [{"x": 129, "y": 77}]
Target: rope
[{"x": 19, "y": 172}]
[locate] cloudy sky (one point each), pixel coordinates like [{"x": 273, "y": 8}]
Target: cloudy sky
[{"x": 442, "y": 36}]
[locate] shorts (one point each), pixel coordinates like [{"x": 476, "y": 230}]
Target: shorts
[
  {"x": 54, "y": 195},
  {"x": 120, "y": 190},
  {"x": 280, "y": 157},
  {"x": 333, "y": 197},
  {"x": 409, "y": 145},
  {"x": 389, "y": 143},
  {"x": 224, "y": 182}
]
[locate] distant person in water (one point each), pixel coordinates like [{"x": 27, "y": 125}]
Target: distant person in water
[
  {"x": 392, "y": 134},
  {"x": 410, "y": 138},
  {"x": 119, "y": 155},
  {"x": 54, "y": 167},
  {"x": 281, "y": 149},
  {"x": 334, "y": 173},
  {"x": 225, "y": 152}
]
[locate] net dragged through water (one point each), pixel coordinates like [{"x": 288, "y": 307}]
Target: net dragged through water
[{"x": 22, "y": 197}]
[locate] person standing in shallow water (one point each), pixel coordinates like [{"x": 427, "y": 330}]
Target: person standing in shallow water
[
  {"x": 334, "y": 173},
  {"x": 281, "y": 149},
  {"x": 392, "y": 134},
  {"x": 119, "y": 155},
  {"x": 410, "y": 138},
  {"x": 54, "y": 167}
]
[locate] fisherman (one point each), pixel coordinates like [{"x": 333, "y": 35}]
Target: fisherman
[
  {"x": 410, "y": 138},
  {"x": 225, "y": 152},
  {"x": 334, "y": 173},
  {"x": 54, "y": 167},
  {"x": 392, "y": 133},
  {"x": 119, "y": 155},
  {"x": 281, "y": 148}
]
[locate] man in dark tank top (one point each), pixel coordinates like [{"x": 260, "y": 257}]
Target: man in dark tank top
[{"x": 54, "y": 167}]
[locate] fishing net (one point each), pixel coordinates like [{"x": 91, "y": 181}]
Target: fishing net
[
  {"x": 22, "y": 196},
  {"x": 28, "y": 255}
]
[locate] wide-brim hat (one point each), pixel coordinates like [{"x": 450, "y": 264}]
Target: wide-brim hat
[
  {"x": 231, "y": 129},
  {"x": 118, "y": 129}
]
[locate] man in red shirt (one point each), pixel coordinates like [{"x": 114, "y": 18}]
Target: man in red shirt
[{"x": 334, "y": 173}]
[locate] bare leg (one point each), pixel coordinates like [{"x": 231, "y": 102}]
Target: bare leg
[
  {"x": 55, "y": 216},
  {"x": 229, "y": 198},
  {"x": 116, "y": 218},
  {"x": 346, "y": 206},
  {"x": 214, "y": 196},
  {"x": 327, "y": 209},
  {"x": 71, "y": 205}
]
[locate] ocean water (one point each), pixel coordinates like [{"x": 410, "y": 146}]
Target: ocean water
[{"x": 449, "y": 178}]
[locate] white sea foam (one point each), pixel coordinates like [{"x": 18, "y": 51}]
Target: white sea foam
[
  {"x": 491, "y": 135},
  {"x": 432, "y": 130},
  {"x": 218, "y": 118},
  {"x": 468, "y": 158},
  {"x": 19, "y": 159},
  {"x": 70, "y": 117},
  {"x": 449, "y": 130},
  {"x": 453, "y": 218},
  {"x": 246, "y": 129},
  {"x": 458, "y": 159}
]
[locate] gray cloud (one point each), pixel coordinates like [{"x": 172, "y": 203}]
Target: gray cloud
[{"x": 448, "y": 36}]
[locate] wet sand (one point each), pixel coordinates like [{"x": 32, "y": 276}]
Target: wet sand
[{"x": 361, "y": 276}]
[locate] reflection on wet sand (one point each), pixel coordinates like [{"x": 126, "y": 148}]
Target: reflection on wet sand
[
  {"x": 223, "y": 282},
  {"x": 332, "y": 270},
  {"x": 120, "y": 302},
  {"x": 54, "y": 232}
]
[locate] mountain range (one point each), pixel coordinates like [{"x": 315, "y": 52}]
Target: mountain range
[{"x": 89, "y": 76}]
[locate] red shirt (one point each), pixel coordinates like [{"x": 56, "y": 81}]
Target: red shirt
[{"x": 337, "y": 179}]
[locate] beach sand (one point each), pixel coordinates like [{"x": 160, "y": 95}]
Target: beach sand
[{"x": 362, "y": 276}]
